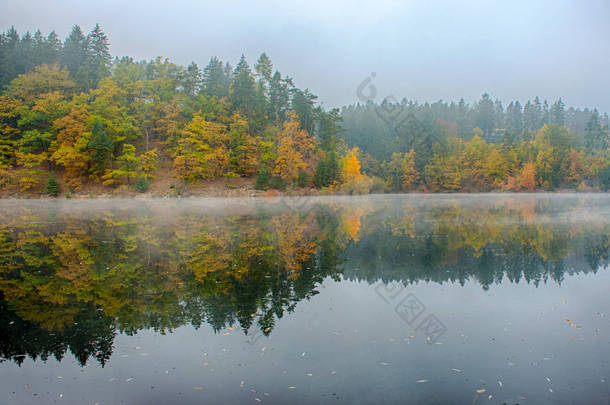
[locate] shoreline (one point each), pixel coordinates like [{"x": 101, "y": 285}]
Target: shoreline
[{"x": 259, "y": 194}]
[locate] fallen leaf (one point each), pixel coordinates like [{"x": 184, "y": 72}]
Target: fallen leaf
[{"x": 481, "y": 390}]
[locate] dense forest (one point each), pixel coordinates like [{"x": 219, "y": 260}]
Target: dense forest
[{"x": 71, "y": 116}]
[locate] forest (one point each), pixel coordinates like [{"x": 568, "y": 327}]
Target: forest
[{"x": 72, "y": 117}]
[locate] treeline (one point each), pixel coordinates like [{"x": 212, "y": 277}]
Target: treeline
[
  {"x": 68, "y": 110},
  {"x": 458, "y": 147}
]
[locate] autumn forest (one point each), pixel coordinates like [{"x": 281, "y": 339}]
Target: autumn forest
[{"x": 72, "y": 117}]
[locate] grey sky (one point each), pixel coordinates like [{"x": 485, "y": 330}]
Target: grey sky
[{"x": 423, "y": 50}]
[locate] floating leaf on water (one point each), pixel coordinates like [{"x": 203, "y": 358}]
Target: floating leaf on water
[
  {"x": 129, "y": 379},
  {"x": 333, "y": 373},
  {"x": 500, "y": 383},
  {"x": 197, "y": 388},
  {"x": 138, "y": 347},
  {"x": 481, "y": 390},
  {"x": 226, "y": 333},
  {"x": 383, "y": 363},
  {"x": 457, "y": 370},
  {"x": 257, "y": 399},
  {"x": 421, "y": 381},
  {"x": 292, "y": 387},
  {"x": 548, "y": 379},
  {"x": 253, "y": 390},
  {"x": 60, "y": 377},
  {"x": 266, "y": 394},
  {"x": 207, "y": 363},
  {"x": 241, "y": 384},
  {"x": 550, "y": 390},
  {"x": 568, "y": 320},
  {"x": 309, "y": 375}
]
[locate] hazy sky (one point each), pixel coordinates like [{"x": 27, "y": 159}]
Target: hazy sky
[{"x": 423, "y": 50}]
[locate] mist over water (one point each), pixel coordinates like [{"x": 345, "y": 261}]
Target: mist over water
[{"x": 432, "y": 298}]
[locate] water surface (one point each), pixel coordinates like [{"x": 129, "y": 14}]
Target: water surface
[{"x": 395, "y": 299}]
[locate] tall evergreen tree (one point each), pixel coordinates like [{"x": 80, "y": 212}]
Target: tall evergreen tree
[
  {"x": 485, "y": 115},
  {"x": 242, "y": 93},
  {"x": 191, "y": 80},
  {"x": 558, "y": 113},
  {"x": 75, "y": 51},
  {"x": 214, "y": 81},
  {"x": 99, "y": 57}
]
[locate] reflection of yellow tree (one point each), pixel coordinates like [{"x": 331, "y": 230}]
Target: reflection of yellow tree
[{"x": 293, "y": 244}]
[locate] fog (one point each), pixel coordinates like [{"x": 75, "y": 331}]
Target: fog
[{"x": 420, "y": 50}]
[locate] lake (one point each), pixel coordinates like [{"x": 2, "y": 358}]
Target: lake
[{"x": 349, "y": 300}]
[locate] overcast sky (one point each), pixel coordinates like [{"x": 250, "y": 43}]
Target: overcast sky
[{"x": 423, "y": 50}]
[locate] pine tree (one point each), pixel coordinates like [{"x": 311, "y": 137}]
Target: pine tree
[
  {"x": 242, "y": 94},
  {"x": 52, "y": 188},
  {"x": 191, "y": 80},
  {"x": 74, "y": 53},
  {"x": 558, "y": 113},
  {"x": 99, "y": 57},
  {"x": 263, "y": 69},
  {"x": 101, "y": 147},
  {"x": 485, "y": 115}
]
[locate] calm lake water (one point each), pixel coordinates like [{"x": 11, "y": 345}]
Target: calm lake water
[{"x": 380, "y": 299}]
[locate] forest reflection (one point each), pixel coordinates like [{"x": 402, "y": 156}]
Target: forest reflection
[{"x": 72, "y": 277}]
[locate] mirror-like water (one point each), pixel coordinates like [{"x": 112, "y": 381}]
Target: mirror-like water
[{"x": 394, "y": 299}]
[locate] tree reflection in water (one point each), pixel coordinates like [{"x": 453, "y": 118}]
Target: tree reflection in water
[{"x": 72, "y": 277}]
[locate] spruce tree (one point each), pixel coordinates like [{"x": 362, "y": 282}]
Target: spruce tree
[
  {"x": 242, "y": 88},
  {"x": 52, "y": 188}
]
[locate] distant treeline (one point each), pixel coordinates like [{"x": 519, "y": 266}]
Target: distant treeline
[{"x": 67, "y": 109}]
